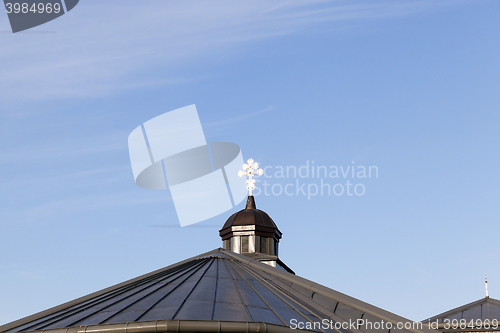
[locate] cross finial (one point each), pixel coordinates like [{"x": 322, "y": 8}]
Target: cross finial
[
  {"x": 250, "y": 169},
  {"x": 486, "y": 285}
]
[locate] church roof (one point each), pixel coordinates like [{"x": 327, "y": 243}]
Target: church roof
[
  {"x": 483, "y": 309},
  {"x": 214, "y": 291}
]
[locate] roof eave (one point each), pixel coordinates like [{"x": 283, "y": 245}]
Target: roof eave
[{"x": 173, "y": 325}]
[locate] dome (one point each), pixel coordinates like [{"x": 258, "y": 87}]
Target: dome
[
  {"x": 253, "y": 233},
  {"x": 250, "y": 218}
]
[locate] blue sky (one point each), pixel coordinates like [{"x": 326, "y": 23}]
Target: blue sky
[{"x": 411, "y": 87}]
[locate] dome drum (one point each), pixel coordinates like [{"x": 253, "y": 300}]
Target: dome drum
[
  {"x": 251, "y": 231},
  {"x": 246, "y": 244}
]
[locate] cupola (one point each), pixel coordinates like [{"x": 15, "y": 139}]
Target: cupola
[{"x": 251, "y": 231}]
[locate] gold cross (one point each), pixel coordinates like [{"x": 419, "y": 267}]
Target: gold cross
[{"x": 250, "y": 169}]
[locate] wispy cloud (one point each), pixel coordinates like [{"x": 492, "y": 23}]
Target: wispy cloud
[
  {"x": 79, "y": 205},
  {"x": 225, "y": 123},
  {"x": 32, "y": 275},
  {"x": 77, "y": 179},
  {"x": 101, "y": 48},
  {"x": 77, "y": 147}
]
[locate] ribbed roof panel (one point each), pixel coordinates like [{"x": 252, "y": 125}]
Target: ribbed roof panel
[
  {"x": 214, "y": 287},
  {"x": 217, "y": 286}
]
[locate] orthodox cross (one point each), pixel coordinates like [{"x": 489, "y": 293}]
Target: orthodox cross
[{"x": 250, "y": 169}]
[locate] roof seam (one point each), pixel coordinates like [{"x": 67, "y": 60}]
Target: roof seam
[
  {"x": 284, "y": 300},
  {"x": 238, "y": 291},
  {"x": 262, "y": 298},
  {"x": 175, "y": 287},
  {"x": 216, "y": 285},
  {"x": 70, "y": 311},
  {"x": 192, "y": 289},
  {"x": 153, "y": 291}
]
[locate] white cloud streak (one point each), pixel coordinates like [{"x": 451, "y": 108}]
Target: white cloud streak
[
  {"x": 55, "y": 209},
  {"x": 217, "y": 126},
  {"x": 101, "y": 48},
  {"x": 56, "y": 150}
]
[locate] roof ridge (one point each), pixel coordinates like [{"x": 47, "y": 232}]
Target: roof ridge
[
  {"x": 175, "y": 282},
  {"x": 327, "y": 292},
  {"x": 464, "y": 307},
  {"x": 98, "y": 293}
]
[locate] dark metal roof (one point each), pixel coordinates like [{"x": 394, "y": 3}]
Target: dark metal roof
[
  {"x": 264, "y": 224},
  {"x": 484, "y": 309},
  {"x": 249, "y": 217},
  {"x": 216, "y": 286}
]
